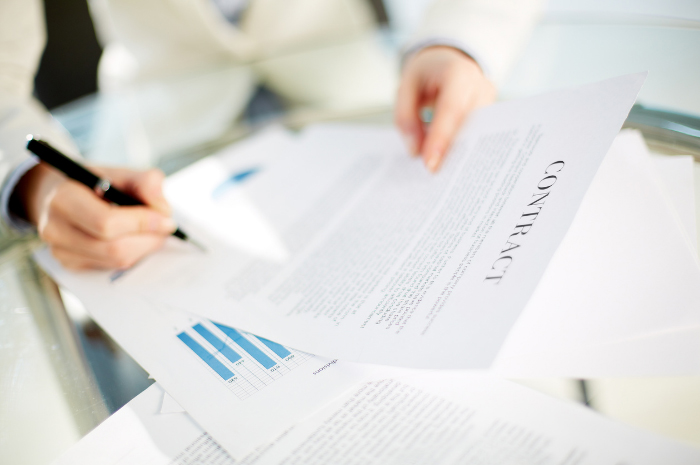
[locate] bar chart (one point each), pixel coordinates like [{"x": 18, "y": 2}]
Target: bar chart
[{"x": 245, "y": 363}]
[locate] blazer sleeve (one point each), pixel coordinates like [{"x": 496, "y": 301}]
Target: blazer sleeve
[
  {"x": 22, "y": 40},
  {"x": 492, "y": 32}
]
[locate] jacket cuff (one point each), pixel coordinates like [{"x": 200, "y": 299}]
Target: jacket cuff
[
  {"x": 14, "y": 222},
  {"x": 447, "y": 42}
]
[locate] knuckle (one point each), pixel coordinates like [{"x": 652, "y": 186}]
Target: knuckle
[
  {"x": 48, "y": 233},
  {"x": 404, "y": 117},
  {"x": 158, "y": 243},
  {"x": 404, "y": 89},
  {"x": 441, "y": 131},
  {"x": 401, "y": 120},
  {"x": 74, "y": 266},
  {"x": 150, "y": 179},
  {"x": 63, "y": 258},
  {"x": 115, "y": 250},
  {"x": 64, "y": 188},
  {"x": 119, "y": 255},
  {"x": 62, "y": 194},
  {"x": 400, "y": 117},
  {"x": 147, "y": 221},
  {"x": 449, "y": 119},
  {"x": 70, "y": 188},
  {"x": 458, "y": 67},
  {"x": 155, "y": 174},
  {"x": 57, "y": 254},
  {"x": 451, "y": 108},
  {"x": 124, "y": 263},
  {"x": 103, "y": 225}
]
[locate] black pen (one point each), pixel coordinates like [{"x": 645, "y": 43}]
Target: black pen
[{"x": 100, "y": 186}]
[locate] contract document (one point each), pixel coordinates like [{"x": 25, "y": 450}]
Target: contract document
[
  {"x": 603, "y": 308},
  {"x": 553, "y": 341},
  {"x": 371, "y": 258},
  {"x": 436, "y": 419}
]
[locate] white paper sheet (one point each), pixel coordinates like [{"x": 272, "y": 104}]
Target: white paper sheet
[
  {"x": 393, "y": 265},
  {"x": 138, "y": 434},
  {"x": 242, "y": 403},
  {"x": 170, "y": 405},
  {"x": 429, "y": 418},
  {"x": 665, "y": 353},
  {"x": 616, "y": 277},
  {"x": 269, "y": 388},
  {"x": 676, "y": 175}
]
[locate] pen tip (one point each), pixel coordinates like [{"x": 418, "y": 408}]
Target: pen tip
[{"x": 196, "y": 244}]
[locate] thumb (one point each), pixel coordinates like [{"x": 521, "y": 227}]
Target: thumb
[
  {"x": 406, "y": 112},
  {"x": 451, "y": 108}
]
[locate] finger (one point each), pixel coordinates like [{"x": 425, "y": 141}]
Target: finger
[
  {"x": 119, "y": 253},
  {"x": 57, "y": 232},
  {"x": 407, "y": 112},
  {"x": 127, "y": 251},
  {"x": 452, "y": 105},
  {"x": 147, "y": 186},
  {"x": 75, "y": 261},
  {"x": 79, "y": 206}
]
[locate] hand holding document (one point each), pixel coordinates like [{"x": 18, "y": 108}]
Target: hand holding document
[
  {"x": 384, "y": 263},
  {"x": 238, "y": 202},
  {"x": 246, "y": 389},
  {"x": 334, "y": 242}
]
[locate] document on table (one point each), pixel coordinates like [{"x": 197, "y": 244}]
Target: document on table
[
  {"x": 619, "y": 286},
  {"x": 370, "y": 258},
  {"x": 436, "y": 419},
  {"x": 676, "y": 175},
  {"x": 245, "y": 388}
]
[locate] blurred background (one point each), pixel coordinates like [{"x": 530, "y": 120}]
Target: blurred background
[
  {"x": 623, "y": 34},
  {"x": 576, "y": 42}
]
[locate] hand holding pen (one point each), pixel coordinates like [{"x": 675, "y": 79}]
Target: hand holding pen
[{"x": 85, "y": 231}]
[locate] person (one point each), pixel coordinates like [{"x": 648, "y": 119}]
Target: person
[{"x": 310, "y": 52}]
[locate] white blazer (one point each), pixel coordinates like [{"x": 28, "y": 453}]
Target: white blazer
[{"x": 179, "y": 71}]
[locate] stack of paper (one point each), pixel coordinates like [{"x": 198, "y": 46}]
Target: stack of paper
[
  {"x": 438, "y": 418},
  {"x": 334, "y": 242}
]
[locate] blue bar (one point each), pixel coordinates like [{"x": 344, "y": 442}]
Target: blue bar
[
  {"x": 248, "y": 346},
  {"x": 218, "y": 344},
  {"x": 279, "y": 349},
  {"x": 210, "y": 360}
]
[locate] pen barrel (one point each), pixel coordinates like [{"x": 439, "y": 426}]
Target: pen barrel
[
  {"x": 73, "y": 170},
  {"x": 180, "y": 235},
  {"x": 70, "y": 168},
  {"x": 120, "y": 198}
]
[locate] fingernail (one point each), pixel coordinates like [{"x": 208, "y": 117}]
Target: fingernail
[
  {"x": 433, "y": 162},
  {"x": 165, "y": 224},
  {"x": 162, "y": 205}
]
